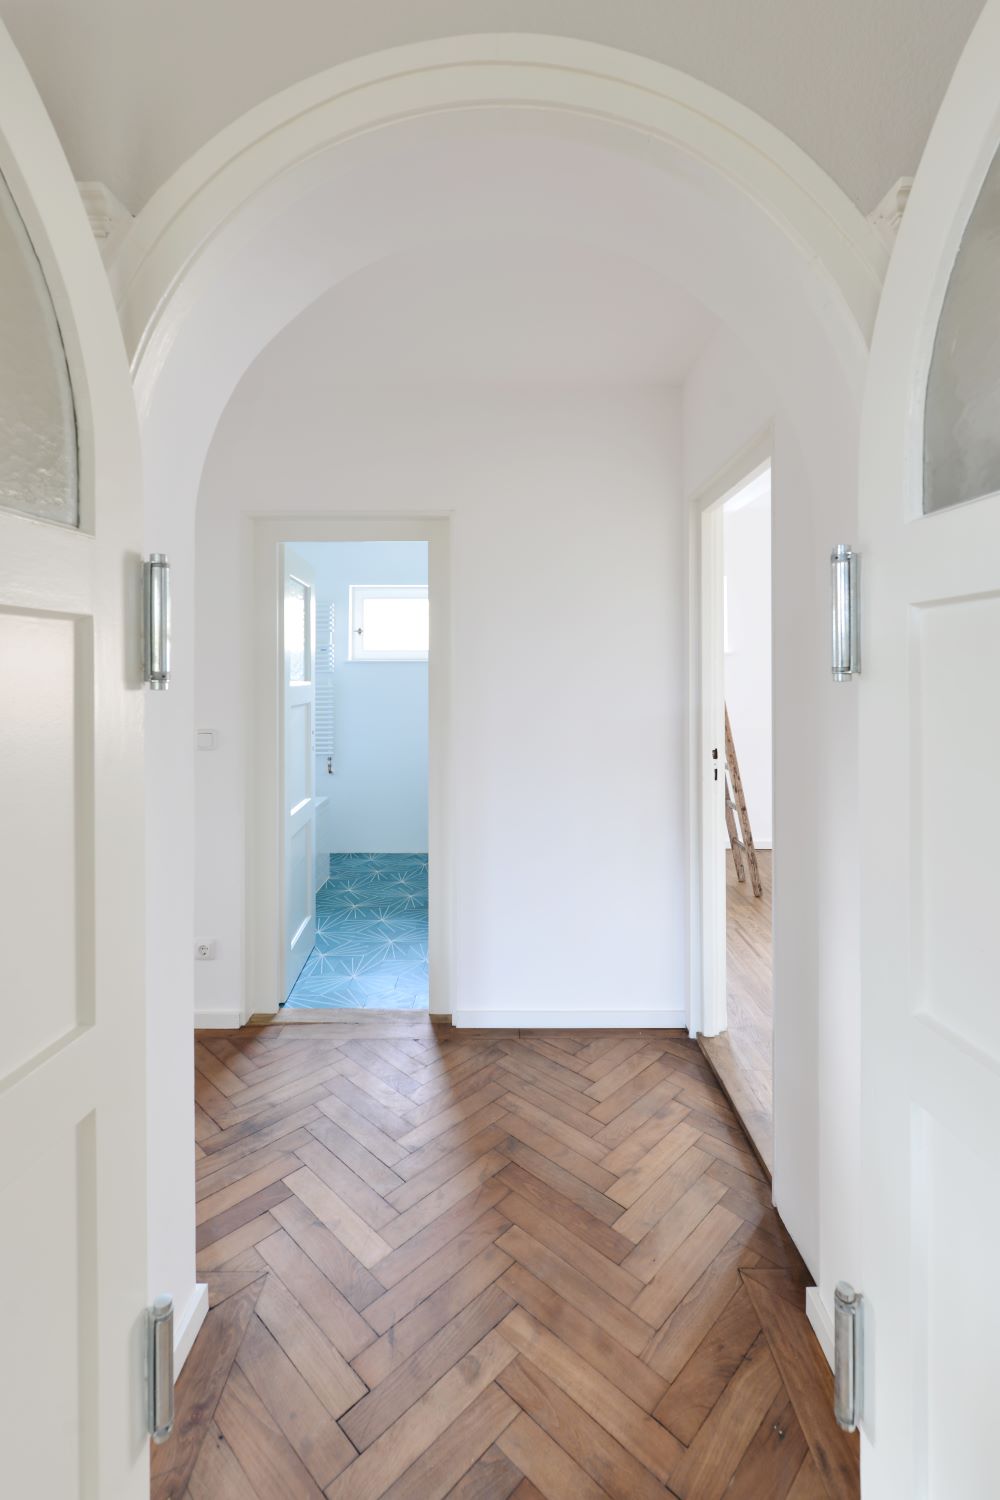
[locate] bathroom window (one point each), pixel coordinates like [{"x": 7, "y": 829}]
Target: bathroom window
[{"x": 389, "y": 622}]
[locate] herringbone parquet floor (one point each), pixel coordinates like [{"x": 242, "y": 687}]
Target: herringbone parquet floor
[{"x": 480, "y": 1266}]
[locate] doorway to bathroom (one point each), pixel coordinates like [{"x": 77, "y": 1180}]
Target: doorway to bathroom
[{"x": 353, "y": 774}]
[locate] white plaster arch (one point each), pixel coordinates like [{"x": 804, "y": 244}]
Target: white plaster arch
[
  {"x": 230, "y": 250},
  {"x": 241, "y": 176}
]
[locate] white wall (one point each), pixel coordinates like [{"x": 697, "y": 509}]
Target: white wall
[
  {"x": 170, "y": 935},
  {"x": 378, "y": 790},
  {"x": 728, "y": 402},
  {"x": 566, "y": 751},
  {"x": 746, "y": 532}
]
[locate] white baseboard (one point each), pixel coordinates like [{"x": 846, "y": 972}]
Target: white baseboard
[
  {"x": 822, "y": 1322},
  {"x": 582, "y": 1020},
  {"x": 187, "y": 1325},
  {"x": 217, "y": 1020}
]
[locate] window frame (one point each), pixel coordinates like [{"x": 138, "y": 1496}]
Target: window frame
[{"x": 357, "y": 595}]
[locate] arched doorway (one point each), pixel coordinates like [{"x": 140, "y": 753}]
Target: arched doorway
[{"x": 249, "y": 234}]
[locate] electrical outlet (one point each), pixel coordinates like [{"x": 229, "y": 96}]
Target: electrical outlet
[{"x": 205, "y": 948}]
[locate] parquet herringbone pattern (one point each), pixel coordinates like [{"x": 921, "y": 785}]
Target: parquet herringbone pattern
[{"x": 489, "y": 1265}]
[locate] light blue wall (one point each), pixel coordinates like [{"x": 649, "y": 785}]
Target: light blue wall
[{"x": 378, "y": 792}]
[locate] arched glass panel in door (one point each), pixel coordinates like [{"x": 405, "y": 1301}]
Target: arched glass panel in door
[
  {"x": 38, "y": 447},
  {"x": 962, "y": 411}
]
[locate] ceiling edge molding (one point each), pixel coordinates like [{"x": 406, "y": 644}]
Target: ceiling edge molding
[
  {"x": 887, "y": 216},
  {"x": 109, "y": 218}
]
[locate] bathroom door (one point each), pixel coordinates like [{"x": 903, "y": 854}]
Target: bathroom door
[
  {"x": 297, "y": 771},
  {"x": 72, "y": 1045}
]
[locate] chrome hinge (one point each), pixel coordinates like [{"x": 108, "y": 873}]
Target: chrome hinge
[
  {"x": 845, "y": 588},
  {"x": 156, "y": 621},
  {"x": 848, "y": 1356},
  {"x": 160, "y": 1369}
]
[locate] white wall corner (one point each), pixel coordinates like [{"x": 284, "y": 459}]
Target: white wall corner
[
  {"x": 821, "y": 1319},
  {"x": 186, "y": 1326},
  {"x": 218, "y": 1020},
  {"x": 109, "y": 218},
  {"x": 887, "y": 216}
]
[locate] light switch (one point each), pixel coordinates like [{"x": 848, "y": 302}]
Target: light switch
[{"x": 205, "y": 739}]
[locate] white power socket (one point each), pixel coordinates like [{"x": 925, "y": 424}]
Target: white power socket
[{"x": 204, "y": 948}]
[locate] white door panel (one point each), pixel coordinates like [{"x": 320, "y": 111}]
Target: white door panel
[
  {"x": 297, "y": 773},
  {"x": 930, "y": 722},
  {"x": 72, "y": 1047},
  {"x": 41, "y": 743}
]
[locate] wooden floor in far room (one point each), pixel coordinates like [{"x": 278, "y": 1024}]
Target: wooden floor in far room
[
  {"x": 742, "y": 1054},
  {"x": 488, "y": 1265}
]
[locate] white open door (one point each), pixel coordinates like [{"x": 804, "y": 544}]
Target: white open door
[
  {"x": 72, "y": 1061},
  {"x": 297, "y": 771},
  {"x": 930, "y": 897}
]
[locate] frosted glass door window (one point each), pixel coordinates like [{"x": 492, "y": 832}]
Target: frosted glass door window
[
  {"x": 38, "y": 453},
  {"x": 297, "y": 653},
  {"x": 962, "y": 412}
]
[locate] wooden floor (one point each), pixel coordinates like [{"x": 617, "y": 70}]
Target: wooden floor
[
  {"x": 742, "y": 1055},
  {"x": 489, "y": 1265}
]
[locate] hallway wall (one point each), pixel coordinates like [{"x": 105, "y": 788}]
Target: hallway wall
[
  {"x": 728, "y": 403},
  {"x": 566, "y": 754}
]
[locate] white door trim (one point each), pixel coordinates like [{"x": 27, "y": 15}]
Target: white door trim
[
  {"x": 263, "y": 892},
  {"x": 706, "y": 700}
]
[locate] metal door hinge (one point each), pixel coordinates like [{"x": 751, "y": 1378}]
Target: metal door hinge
[
  {"x": 848, "y": 1355},
  {"x": 156, "y": 621},
  {"x": 845, "y": 613},
  {"x": 160, "y": 1369}
]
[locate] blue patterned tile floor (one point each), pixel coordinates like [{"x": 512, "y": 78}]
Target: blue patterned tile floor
[{"x": 371, "y": 936}]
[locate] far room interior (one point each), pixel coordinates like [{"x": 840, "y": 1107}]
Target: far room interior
[
  {"x": 743, "y": 1053},
  {"x": 356, "y": 928}
]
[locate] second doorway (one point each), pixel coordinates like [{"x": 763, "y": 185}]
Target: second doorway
[{"x": 355, "y": 627}]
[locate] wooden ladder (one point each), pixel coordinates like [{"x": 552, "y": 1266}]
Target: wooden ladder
[{"x": 736, "y": 806}]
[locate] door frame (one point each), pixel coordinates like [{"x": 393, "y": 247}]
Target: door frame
[
  {"x": 707, "y": 1005},
  {"x": 263, "y": 887}
]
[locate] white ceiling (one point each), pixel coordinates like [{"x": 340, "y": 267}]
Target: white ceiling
[
  {"x": 517, "y": 310},
  {"x": 136, "y": 86}
]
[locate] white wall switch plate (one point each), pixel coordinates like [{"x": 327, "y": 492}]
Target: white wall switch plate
[{"x": 205, "y": 739}]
